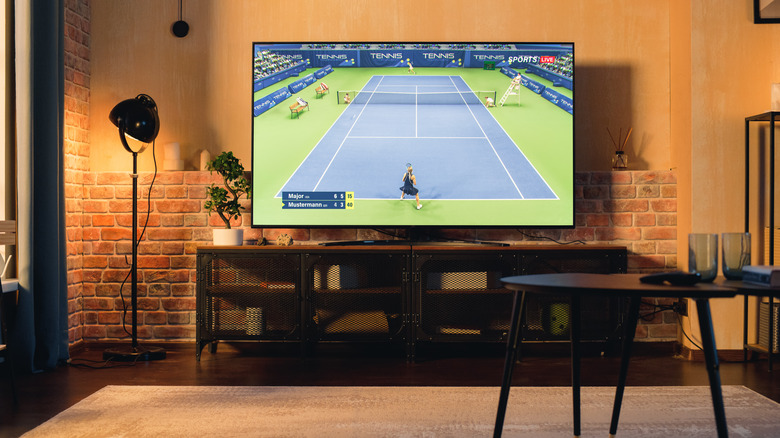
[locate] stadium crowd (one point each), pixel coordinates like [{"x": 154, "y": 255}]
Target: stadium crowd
[
  {"x": 268, "y": 63},
  {"x": 563, "y": 65}
]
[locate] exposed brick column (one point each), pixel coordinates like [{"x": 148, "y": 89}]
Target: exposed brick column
[{"x": 76, "y": 151}]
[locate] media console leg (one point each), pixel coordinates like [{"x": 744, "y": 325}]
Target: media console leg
[
  {"x": 576, "y": 355},
  {"x": 512, "y": 347}
]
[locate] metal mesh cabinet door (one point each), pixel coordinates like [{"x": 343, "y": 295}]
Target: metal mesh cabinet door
[
  {"x": 248, "y": 297},
  {"x": 355, "y": 296},
  {"x": 547, "y": 317},
  {"x": 460, "y": 297}
]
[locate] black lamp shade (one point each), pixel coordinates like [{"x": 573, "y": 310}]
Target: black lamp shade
[{"x": 136, "y": 118}]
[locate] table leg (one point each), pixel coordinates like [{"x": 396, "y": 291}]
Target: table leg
[
  {"x": 576, "y": 384},
  {"x": 512, "y": 346},
  {"x": 628, "y": 342},
  {"x": 745, "y": 328},
  {"x": 711, "y": 361}
]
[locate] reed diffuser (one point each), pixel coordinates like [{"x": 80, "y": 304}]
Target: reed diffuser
[{"x": 620, "y": 159}]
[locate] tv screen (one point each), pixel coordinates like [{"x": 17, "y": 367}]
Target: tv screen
[{"x": 413, "y": 135}]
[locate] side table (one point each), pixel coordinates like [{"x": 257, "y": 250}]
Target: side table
[{"x": 579, "y": 286}]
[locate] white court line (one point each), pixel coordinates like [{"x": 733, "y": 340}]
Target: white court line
[
  {"x": 491, "y": 145},
  {"x": 406, "y": 138},
  {"x": 416, "y": 136},
  {"x": 453, "y": 199},
  {"x": 518, "y": 148},
  {"x": 317, "y": 145},
  {"x": 345, "y": 138}
]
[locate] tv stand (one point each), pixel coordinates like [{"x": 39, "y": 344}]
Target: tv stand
[
  {"x": 407, "y": 296},
  {"x": 366, "y": 242},
  {"x": 415, "y": 236},
  {"x": 412, "y": 243}
]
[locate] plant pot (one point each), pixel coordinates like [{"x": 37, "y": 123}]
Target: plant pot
[{"x": 228, "y": 237}]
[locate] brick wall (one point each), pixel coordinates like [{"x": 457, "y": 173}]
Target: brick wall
[
  {"x": 635, "y": 209},
  {"x": 76, "y": 150}
]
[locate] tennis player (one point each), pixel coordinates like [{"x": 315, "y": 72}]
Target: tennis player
[
  {"x": 347, "y": 98},
  {"x": 409, "y": 186},
  {"x": 411, "y": 69},
  {"x": 489, "y": 102}
]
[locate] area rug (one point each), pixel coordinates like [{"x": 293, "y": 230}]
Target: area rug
[{"x": 267, "y": 411}]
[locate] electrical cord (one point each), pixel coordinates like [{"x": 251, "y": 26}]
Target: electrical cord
[
  {"x": 682, "y": 329},
  {"x": 536, "y": 237},
  {"x": 138, "y": 242},
  {"x": 661, "y": 308},
  {"x": 104, "y": 364}
]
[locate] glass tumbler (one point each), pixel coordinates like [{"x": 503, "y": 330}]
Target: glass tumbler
[
  {"x": 703, "y": 255},
  {"x": 736, "y": 254}
]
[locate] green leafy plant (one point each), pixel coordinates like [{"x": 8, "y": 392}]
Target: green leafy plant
[{"x": 224, "y": 200}]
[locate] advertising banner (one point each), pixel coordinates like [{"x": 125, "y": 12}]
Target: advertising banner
[
  {"x": 324, "y": 71},
  {"x": 438, "y": 58},
  {"x": 558, "y": 99},
  {"x": 532, "y": 85},
  {"x": 265, "y": 103},
  {"x": 509, "y": 72},
  {"x": 302, "y": 83}
]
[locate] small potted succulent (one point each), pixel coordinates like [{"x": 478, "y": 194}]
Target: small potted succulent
[{"x": 224, "y": 200}]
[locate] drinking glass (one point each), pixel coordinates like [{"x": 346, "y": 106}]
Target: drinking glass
[
  {"x": 703, "y": 255},
  {"x": 736, "y": 254}
]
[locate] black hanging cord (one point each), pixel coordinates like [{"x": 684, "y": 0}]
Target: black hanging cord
[{"x": 180, "y": 28}]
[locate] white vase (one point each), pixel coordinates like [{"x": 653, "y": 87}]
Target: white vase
[{"x": 228, "y": 237}]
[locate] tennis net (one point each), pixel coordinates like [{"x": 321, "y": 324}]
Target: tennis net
[{"x": 418, "y": 98}]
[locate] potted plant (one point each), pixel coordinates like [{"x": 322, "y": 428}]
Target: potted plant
[{"x": 225, "y": 200}]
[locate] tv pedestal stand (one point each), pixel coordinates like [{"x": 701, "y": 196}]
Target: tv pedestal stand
[{"x": 407, "y": 296}]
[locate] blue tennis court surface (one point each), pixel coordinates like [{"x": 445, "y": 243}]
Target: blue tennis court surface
[{"x": 457, "y": 148}]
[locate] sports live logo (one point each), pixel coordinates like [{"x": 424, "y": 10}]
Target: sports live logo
[{"x": 546, "y": 59}]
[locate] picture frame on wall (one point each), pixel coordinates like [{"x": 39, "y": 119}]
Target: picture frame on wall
[{"x": 766, "y": 11}]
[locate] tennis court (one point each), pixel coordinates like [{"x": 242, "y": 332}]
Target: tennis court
[{"x": 436, "y": 123}]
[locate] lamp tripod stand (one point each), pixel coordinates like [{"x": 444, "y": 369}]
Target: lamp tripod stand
[{"x": 138, "y": 119}]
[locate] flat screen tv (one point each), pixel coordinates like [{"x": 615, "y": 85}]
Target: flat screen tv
[{"x": 343, "y": 135}]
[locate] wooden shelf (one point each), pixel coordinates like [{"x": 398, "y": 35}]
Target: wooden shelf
[
  {"x": 467, "y": 291},
  {"x": 229, "y": 290},
  {"x": 364, "y": 291},
  {"x": 759, "y": 348}
]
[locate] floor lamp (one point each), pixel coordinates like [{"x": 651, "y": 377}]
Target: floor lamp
[{"x": 136, "y": 118}]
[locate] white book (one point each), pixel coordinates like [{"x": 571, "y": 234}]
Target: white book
[{"x": 765, "y": 275}]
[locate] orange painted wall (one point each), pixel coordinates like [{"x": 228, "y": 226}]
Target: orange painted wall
[{"x": 202, "y": 82}]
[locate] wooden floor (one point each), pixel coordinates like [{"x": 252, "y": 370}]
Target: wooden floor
[{"x": 45, "y": 394}]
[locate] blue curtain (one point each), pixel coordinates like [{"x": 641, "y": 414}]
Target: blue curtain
[{"x": 40, "y": 334}]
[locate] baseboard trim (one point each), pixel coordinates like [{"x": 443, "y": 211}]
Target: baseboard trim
[
  {"x": 82, "y": 346},
  {"x": 687, "y": 353}
]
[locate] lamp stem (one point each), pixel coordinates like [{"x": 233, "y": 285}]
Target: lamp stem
[
  {"x": 134, "y": 266},
  {"x": 135, "y": 352}
]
